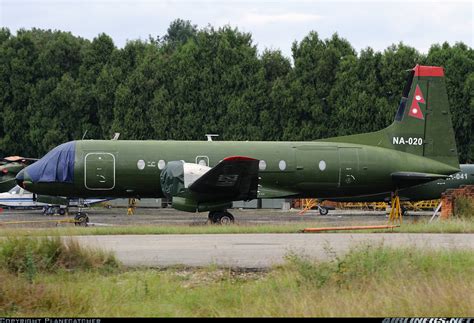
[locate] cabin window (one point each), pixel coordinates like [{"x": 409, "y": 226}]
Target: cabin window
[
  {"x": 282, "y": 165},
  {"x": 141, "y": 164},
  {"x": 262, "y": 165},
  {"x": 322, "y": 165},
  {"x": 161, "y": 164}
]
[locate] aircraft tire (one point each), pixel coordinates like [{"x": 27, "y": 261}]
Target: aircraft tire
[
  {"x": 323, "y": 210},
  {"x": 226, "y": 218},
  {"x": 404, "y": 211},
  {"x": 81, "y": 219},
  {"x": 221, "y": 217}
]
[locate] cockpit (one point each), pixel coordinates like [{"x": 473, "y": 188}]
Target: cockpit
[
  {"x": 15, "y": 190},
  {"x": 56, "y": 166}
]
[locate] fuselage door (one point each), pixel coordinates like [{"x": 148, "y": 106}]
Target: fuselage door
[
  {"x": 99, "y": 171},
  {"x": 317, "y": 167}
]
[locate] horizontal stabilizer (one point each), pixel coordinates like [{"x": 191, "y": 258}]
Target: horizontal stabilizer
[
  {"x": 270, "y": 192},
  {"x": 234, "y": 178},
  {"x": 413, "y": 178}
]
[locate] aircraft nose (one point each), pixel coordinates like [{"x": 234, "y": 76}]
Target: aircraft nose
[{"x": 20, "y": 177}]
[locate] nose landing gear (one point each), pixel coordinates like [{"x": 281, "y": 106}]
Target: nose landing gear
[{"x": 81, "y": 218}]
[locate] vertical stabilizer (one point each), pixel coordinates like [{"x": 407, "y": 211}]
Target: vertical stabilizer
[{"x": 422, "y": 125}]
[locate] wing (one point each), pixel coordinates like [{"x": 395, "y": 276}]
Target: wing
[
  {"x": 271, "y": 192},
  {"x": 234, "y": 178},
  {"x": 12, "y": 159}
]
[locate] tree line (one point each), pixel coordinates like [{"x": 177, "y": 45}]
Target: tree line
[{"x": 57, "y": 87}]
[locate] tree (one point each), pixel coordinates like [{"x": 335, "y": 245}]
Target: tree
[
  {"x": 179, "y": 33},
  {"x": 316, "y": 65},
  {"x": 54, "y": 86}
]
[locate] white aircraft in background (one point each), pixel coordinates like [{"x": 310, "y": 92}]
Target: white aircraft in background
[{"x": 18, "y": 197}]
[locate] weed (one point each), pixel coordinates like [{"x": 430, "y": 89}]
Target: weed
[
  {"x": 464, "y": 208},
  {"x": 32, "y": 255},
  {"x": 368, "y": 281}
]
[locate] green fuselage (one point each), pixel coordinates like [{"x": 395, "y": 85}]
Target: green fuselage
[
  {"x": 109, "y": 168},
  {"x": 429, "y": 191}
]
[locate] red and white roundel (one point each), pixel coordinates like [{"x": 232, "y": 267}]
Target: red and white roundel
[{"x": 415, "y": 110}]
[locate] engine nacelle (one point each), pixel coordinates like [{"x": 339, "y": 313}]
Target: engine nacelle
[
  {"x": 190, "y": 205},
  {"x": 177, "y": 176}
]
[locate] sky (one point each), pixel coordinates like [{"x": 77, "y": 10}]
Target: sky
[{"x": 273, "y": 24}]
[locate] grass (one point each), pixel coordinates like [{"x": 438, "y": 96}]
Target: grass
[
  {"x": 462, "y": 222},
  {"x": 24, "y": 255},
  {"x": 464, "y": 208},
  {"x": 368, "y": 281},
  {"x": 454, "y": 225}
]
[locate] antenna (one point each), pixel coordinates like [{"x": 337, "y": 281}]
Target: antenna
[
  {"x": 116, "y": 136},
  {"x": 84, "y": 135},
  {"x": 209, "y": 136}
]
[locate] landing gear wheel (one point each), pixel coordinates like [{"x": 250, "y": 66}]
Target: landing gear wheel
[
  {"x": 404, "y": 211},
  {"x": 81, "y": 219},
  {"x": 226, "y": 218},
  {"x": 62, "y": 211},
  {"x": 221, "y": 217},
  {"x": 323, "y": 210}
]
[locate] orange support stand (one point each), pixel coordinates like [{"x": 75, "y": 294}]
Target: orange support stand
[{"x": 359, "y": 227}]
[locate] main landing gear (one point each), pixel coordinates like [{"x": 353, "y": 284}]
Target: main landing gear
[
  {"x": 221, "y": 217},
  {"x": 54, "y": 210}
]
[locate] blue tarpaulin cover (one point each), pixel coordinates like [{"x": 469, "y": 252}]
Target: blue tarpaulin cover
[{"x": 55, "y": 166}]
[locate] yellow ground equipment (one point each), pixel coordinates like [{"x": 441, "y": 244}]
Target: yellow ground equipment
[
  {"x": 396, "y": 211},
  {"x": 132, "y": 205},
  {"x": 359, "y": 227},
  {"x": 76, "y": 222},
  {"x": 307, "y": 204}
]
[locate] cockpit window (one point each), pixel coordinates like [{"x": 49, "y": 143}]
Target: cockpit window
[
  {"x": 15, "y": 190},
  {"x": 55, "y": 166}
]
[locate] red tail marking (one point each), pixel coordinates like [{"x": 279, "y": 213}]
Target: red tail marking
[
  {"x": 415, "y": 110},
  {"x": 421, "y": 70}
]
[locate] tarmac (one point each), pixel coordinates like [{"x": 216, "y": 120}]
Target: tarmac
[
  {"x": 257, "y": 251},
  {"x": 167, "y": 216},
  {"x": 248, "y": 251}
]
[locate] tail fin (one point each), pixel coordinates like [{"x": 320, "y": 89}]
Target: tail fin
[{"x": 422, "y": 125}]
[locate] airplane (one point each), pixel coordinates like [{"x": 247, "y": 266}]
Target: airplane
[
  {"x": 429, "y": 191},
  {"x": 9, "y": 167},
  {"x": 18, "y": 197},
  {"x": 206, "y": 176}
]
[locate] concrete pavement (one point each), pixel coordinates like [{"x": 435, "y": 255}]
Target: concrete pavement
[{"x": 256, "y": 250}]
